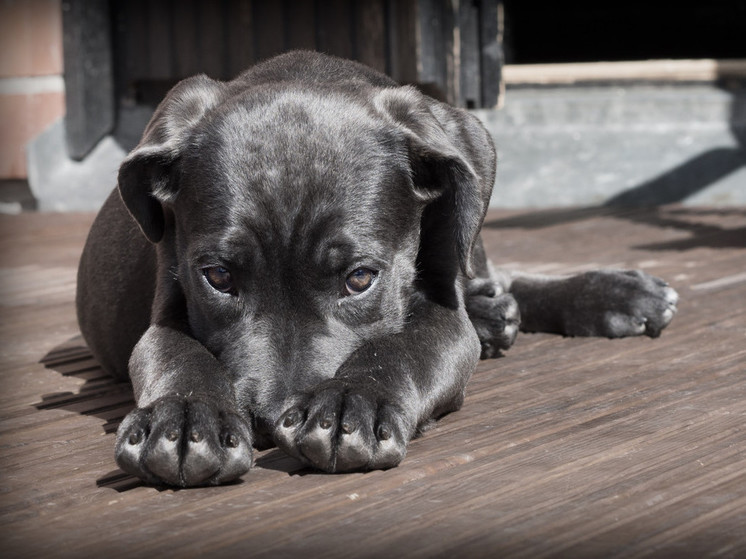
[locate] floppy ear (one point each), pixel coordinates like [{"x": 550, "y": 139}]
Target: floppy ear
[
  {"x": 148, "y": 176},
  {"x": 452, "y": 160}
]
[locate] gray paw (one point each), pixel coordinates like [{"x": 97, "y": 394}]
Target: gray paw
[
  {"x": 341, "y": 428},
  {"x": 184, "y": 442},
  {"x": 616, "y": 303},
  {"x": 495, "y": 316}
]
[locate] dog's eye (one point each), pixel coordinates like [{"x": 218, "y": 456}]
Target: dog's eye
[
  {"x": 360, "y": 280},
  {"x": 219, "y": 278}
]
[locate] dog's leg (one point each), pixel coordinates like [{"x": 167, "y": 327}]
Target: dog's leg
[
  {"x": 494, "y": 314},
  {"x": 610, "y": 303},
  {"x": 492, "y": 310},
  {"x": 364, "y": 417},
  {"x": 186, "y": 430}
]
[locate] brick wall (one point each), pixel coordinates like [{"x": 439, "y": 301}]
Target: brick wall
[{"x": 32, "y": 92}]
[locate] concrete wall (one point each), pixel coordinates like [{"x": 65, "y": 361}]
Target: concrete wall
[{"x": 579, "y": 146}]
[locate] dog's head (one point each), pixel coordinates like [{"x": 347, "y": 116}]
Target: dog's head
[{"x": 302, "y": 220}]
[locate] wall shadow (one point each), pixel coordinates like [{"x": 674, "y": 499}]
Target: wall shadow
[
  {"x": 696, "y": 174},
  {"x": 683, "y": 181}
]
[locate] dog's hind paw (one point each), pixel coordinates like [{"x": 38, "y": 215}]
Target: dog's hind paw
[
  {"x": 343, "y": 427},
  {"x": 495, "y": 316},
  {"x": 619, "y": 303},
  {"x": 184, "y": 442}
]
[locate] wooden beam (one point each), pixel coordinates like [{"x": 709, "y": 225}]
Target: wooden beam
[
  {"x": 89, "y": 85},
  {"x": 469, "y": 92},
  {"x": 490, "y": 14},
  {"x": 705, "y": 70}
]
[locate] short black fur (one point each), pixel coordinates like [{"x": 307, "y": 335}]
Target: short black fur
[{"x": 291, "y": 179}]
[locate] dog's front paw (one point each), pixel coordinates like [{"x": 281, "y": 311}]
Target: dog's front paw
[
  {"x": 495, "y": 316},
  {"x": 341, "y": 427},
  {"x": 184, "y": 442},
  {"x": 619, "y": 303}
]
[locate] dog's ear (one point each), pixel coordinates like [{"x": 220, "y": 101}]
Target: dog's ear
[
  {"x": 148, "y": 177},
  {"x": 452, "y": 161}
]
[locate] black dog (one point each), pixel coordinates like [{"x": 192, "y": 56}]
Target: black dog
[{"x": 293, "y": 258}]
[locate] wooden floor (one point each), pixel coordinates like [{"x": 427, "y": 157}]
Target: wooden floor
[{"x": 564, "y": 447}]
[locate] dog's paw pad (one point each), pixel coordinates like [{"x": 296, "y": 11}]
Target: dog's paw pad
[
  {"x": 184, "y": 443},
  {"x": 495, "y": 318},
  {"x": 661, "y": 314},
  {"x": 617, "y": 304},
  {"x": 340, "y": 430}
]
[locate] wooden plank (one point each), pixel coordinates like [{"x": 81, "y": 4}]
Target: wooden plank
[
  {"x": 334, "y": 27},
  {"x": 89, "y": 85},
  {"x": 469, "y": 94},
  {"x": 370, "y": 33},
  {"x": 491, "y": 55},
  {"x": 300, "y": 22},
  {"x": 122, "y": 47},
  {"x": 436, "y": 65},
  {"x": 564, "y": 447},
  {"x": 269, "y": 37},
  {"x": 132, "y": 59},
  {"x": 403, "y": 40},
  {"x": 240, "y": 41},
  {"x": 646, "y": 70},
  {"x": 212, "y": 39},
  {"x": 159, "y": 40},
  {"x": 186, "y": 29}
]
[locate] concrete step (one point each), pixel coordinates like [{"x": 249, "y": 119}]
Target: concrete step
[{"x": 625, "y": 145}]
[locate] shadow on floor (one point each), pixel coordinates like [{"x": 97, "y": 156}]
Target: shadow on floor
[
  {"x": 104, "y": 397},
  {"x": 100, "y": 396},
  {"x": 701, "y": 224}
]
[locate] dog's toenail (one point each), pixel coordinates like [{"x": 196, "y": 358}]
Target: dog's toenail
[
  {"x": 348, "y": 427},
  {"x": 384, "y": 432},
  {"x": 196, "y": 436},
  {"x": 325, "y": 423},
  {"x": 135, "y": 438},
  {"x": 232, "y": 441},
  {"x": 172, "y": 435}
]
